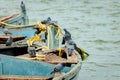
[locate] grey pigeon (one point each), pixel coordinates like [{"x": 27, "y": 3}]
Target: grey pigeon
[
  {"x": 31, "y": 51},
  {"x": 58, "y": 68},
  {"x": 71, "y": 45},
  {"x": 66, "y": 37},
  {"x": 70, "y": 49},
  {"x": 9, "y": 41},
  {"x": 46, "y": 21},
  {"x": 6, "y": 31},
  {"x": 67, "y": 33},
  {"x": 23, "y": 7}
]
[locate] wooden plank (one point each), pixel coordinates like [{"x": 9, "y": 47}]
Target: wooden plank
[
  {"x": 3, "y": 46},
  {"x": 3, "y": 38},
  {"x": 11, "y": 77},
  {"x": 54, "y": 59},
  {"x": 3, "y": 19}
]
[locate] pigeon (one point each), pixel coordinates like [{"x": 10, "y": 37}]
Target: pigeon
[
  {"x": 67, "y": 33},
  {"x": 71, "y": 45},
  {"x": 49, "y": 19},
  {"x": 9, "y": 41},
  {"x": 66, "y": 37},
  {"x": 70, "y": 49},
  {"x": 58, "y": 68},
  {"x": 6, "y": 31},
  {"x": 23, "y": 6},
  {"x": 31, "y": 51},
  {"x": 46, "y": 21}
]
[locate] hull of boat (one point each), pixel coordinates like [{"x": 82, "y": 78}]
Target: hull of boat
[
  {"x": 13, "y": 68},
  {"x": 72, "y": 74},
  {"x": 17, "y": 19}
]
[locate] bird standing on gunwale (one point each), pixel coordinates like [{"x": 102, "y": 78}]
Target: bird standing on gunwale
[
  {"x": 9, "y": 41},
  {"x": 71, "y": 45},
  {"x": 32, "y": 52},
  {"x": 46, "y": 21},
  {"x": 70, "y": 49},
  {"x": 23, "y": 7},
  {"x": 66, "y": 37},
  {"x": 58, "y": 68}
]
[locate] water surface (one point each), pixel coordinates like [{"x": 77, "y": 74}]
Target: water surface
[{"x": 94, "y": 25}]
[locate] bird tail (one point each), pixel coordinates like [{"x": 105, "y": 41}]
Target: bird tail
[
  {"x": 82, "y": 53},
  {"x": 63, "y": 40},
  {"x": 52, "y": 72}
]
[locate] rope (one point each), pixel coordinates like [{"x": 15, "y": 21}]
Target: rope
[
  {"x": 60, "y": 52},
  {"x": 39, "y": 24},
  {"x": 17, "y": 26},
  {"x": 45, "y": 47},
  {"x": 3, "y": 23},
  {"x": 35, "y": 58},
  {"x": 42, "y": 28},
  {"x": 59, "y": 31},
  {"x": 31, "y": 40},
  {"x": 36, "y": 37},
  {"x": 40, "y": 56}
]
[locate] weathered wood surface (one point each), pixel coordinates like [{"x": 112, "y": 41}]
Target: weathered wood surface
[
  {"x": 53, "y": 58},
  {"x": 5, "y": 18},
  {"x": 3, "y": 38},
  {"x": 11, "y": 77}
]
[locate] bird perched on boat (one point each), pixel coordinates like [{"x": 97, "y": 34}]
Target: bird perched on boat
[
  {"x": 9, "y": 41},
  {"x": 6, "y": 31},
  {"x": 23, "y": 7},
  {"x": 46, "y": 21},
  {"x": 66, "y": 37},
  {"x": 70, "y": 49},
  {"x": 58, "y": 68},
  {"x": 49, "y": 19},
  {"x": 71, "y": 45},
  {"x": 32, "y": 52}
]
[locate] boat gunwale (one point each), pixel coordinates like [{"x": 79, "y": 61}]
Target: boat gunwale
[
  {"x": 9, "y": 17},
  {"x": 15, "y": 77},
  {"x": 73, "y": 72}
]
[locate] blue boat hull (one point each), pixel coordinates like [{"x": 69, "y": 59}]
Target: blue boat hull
[{"x": 18, "y": 67}]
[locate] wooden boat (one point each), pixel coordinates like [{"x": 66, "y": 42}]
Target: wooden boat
[
  {"x": 6, "y": 21},
  {"x": 40, "y": 67},
  {"x": 12, "y": 68},
  {"x": 3, "y": 38},
  {"x": 18, "y": 19}
]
